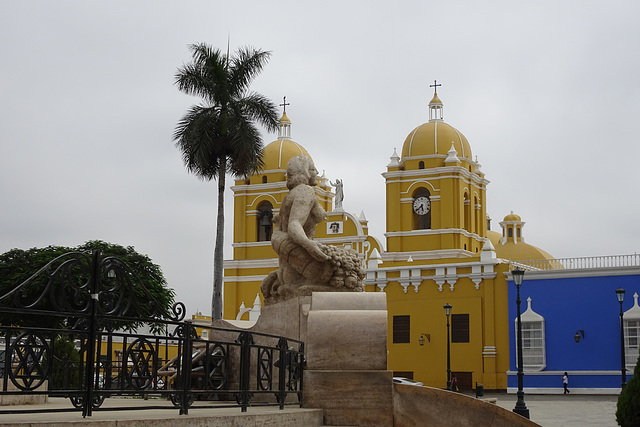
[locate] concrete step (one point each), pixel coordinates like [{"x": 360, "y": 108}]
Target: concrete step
[{"x": 130, "y": 413}]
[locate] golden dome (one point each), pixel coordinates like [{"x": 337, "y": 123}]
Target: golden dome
[
  {"x": 277, "y": 154},
  {"x": 512, "y": 217},
  {"x": 435, "y": 138},
  {"x": 515, "y": 251}
]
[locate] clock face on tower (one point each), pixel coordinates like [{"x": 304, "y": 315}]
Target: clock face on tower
[{"x": 421, "y": 205}]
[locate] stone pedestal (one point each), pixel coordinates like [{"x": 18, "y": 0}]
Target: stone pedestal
[{"x": 346, "y": 347}]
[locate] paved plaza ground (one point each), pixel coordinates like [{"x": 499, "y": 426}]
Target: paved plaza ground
[
  {"x": 546, "y": 410},
  {"x": 566, "y": 410}
]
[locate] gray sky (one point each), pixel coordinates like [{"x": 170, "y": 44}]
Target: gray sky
[{"x": 546, "y": 92}]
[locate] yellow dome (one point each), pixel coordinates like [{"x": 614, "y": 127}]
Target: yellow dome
[
  {"x": 277, "y": 154},
  {"x": 435, "y": 137},
  {"x": 512, "y": 217},
  {"x": 515, "y": 251}
]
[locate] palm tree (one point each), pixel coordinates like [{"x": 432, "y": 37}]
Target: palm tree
[{"x": 220, "y": 135}]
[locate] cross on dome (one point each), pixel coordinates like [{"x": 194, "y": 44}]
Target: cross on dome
[
  {"x": 284, "y": 104},
  {"x": 435, "y": 86}
]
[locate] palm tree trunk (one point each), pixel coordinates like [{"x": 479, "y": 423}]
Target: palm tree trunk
[{"x": 218, "y": 253}]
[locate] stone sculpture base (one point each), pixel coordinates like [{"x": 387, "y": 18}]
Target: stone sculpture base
[
  {"x": 345, "y": 336},
  {"x": 346, "y": 372}
]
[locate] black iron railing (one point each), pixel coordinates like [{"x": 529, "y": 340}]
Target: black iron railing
[{"x": 89, "y": 355}]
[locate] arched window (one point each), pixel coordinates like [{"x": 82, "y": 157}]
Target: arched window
[
  {"x": 421, "y": 165},
  {"x": 421, "y": 209},
  {"x": 265, "y": 221},
  {"x": 477, "y": 212},
  {"x": 467, "y": 212},
  {"x": 264, "y": 179},
  {"x": 510, "y": 232}
]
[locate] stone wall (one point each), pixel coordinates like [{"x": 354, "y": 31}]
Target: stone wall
[{"x": 425, "y": 406}]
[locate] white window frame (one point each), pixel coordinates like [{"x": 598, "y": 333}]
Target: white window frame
[
  {"x": 532, "y": 348},
  {"x": 631, "y": 342}
]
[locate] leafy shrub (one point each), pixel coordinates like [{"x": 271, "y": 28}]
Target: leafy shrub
[{"x": 628, "y": 411}]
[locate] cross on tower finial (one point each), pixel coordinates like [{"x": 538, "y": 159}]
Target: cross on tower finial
[
  {"x": 435, "y": 86},
  {"x": 284, "y": 104}
]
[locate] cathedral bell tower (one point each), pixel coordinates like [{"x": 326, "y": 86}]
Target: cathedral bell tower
[{"x": 436, "y": 193}]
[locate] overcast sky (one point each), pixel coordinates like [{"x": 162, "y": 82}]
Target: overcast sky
[{"x": 546, "y": 92}]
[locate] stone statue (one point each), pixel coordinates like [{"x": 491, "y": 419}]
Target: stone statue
[
  {"x": 339, "y": 194},
  {"x": 306, "y": 265}
]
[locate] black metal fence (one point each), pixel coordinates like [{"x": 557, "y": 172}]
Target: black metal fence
[{"x": 94, "y": 349}]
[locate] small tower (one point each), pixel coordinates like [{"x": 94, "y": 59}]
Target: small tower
[
  {"x": 512, "y": 226},
  {"x": 435, "y": 106}
]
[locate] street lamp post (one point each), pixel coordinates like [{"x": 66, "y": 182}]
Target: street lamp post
[
  {"x": 447, "y": 312},
  {"x": 521, "y": 407},
  {"x": 623, "y": 365}
]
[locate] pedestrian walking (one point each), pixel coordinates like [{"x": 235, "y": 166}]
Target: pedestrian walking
[
  {"x": 565, "y": 383},
  {"x": 454, "y": 383}
]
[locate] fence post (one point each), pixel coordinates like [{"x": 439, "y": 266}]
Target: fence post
[
  {"x": 91, "y": 336},
  {"x": 284, "y": 360},
  {"x": 300, "y": 365},
  {"x": 245, "y": 340},
  {"x": 185, "y": 375}
]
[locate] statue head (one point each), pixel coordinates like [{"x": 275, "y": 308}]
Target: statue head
[{"x": 301, "y": 170}]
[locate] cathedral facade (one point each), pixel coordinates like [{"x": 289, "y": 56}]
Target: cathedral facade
[{"x": 438, "y": 251}]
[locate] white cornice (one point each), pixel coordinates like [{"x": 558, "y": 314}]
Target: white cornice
[
  {"x": 431, "y": 255},
  {"x": 430, "y": 232},
  {"x": 259, "y": 187},
  {"x": 582, "y": 272},
  {"x": 434, "y": 173},
  {"x": 435, "y": 156},
  {"x": 258, "y": 191},
  {"x": 478, "y": 183},
  {"x": 232, "y": 279},
  {"x": 251, "y": 244},
  {"x": 251, "y": 263},
  {"x": 253, "y": 212}
]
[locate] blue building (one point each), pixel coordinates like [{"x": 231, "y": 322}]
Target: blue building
[{"x": 571, "y": 323}]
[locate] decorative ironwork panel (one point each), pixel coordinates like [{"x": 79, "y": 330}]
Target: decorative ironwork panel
[
  {"x": 29, "y": 357},
  {"x": 139, "y": 362},
  {"x": 265, "y": 369}
]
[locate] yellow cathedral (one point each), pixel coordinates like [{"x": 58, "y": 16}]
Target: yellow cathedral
[{"x": 439, "y": 251}]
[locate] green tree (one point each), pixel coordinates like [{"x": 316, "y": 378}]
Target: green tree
[
  {"x": 18, "y": 265},
  {"x": 67, "y": 367},
  {"x": 628, "y": 410},
  {"x": 220, "y": 136}
]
